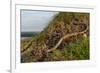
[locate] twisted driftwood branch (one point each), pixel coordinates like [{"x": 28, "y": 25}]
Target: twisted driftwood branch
[
  {"x": 66, "y": 37},
  {"x": 60, "y": 41}
]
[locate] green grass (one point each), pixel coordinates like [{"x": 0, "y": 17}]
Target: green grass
[{"x": 78, "y": 50}]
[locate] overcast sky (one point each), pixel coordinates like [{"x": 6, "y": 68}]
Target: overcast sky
[{"x": 35, "y": 20}]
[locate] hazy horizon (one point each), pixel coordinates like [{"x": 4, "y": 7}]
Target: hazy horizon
[{"x": 35, "y": 21}]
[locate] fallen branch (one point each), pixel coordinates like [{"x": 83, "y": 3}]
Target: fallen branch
[{"x": 66, "y": 37}]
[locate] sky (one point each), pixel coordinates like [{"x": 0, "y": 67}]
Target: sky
[{"x": 35, "y": 21}]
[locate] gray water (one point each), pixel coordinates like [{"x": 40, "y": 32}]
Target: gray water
[{"x": 22, "y": 38}]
